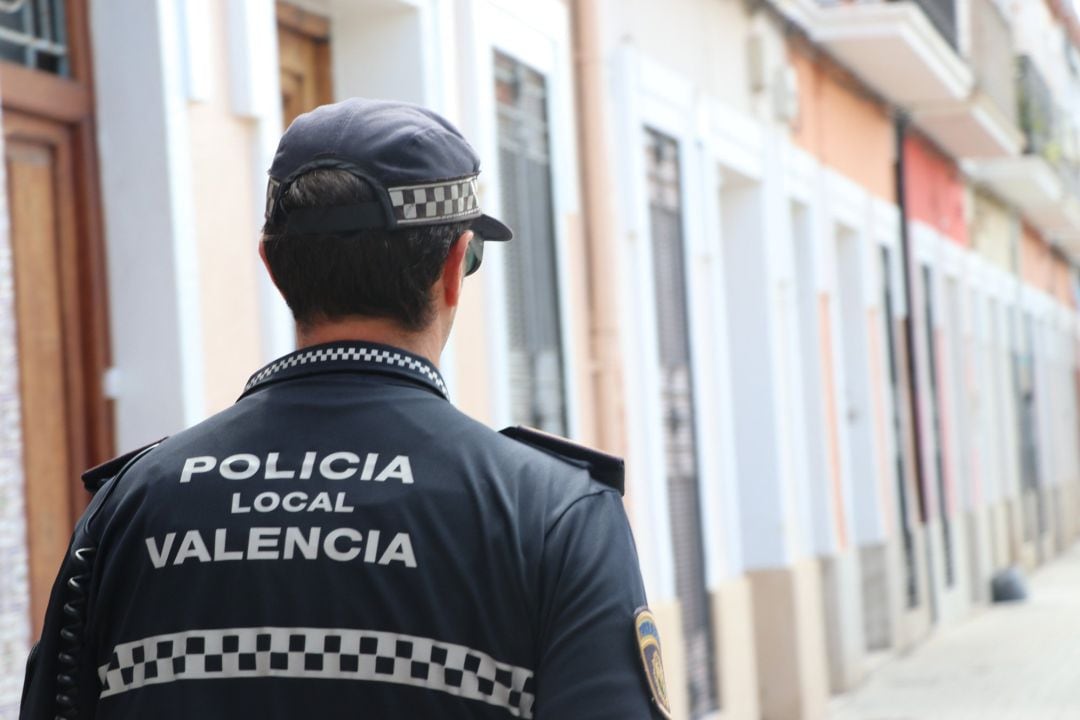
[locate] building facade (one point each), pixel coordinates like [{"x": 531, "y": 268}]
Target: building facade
[{"x": 809, "y": 265}]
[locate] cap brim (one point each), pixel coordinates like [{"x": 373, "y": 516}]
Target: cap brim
[{"x": 489, "y": 228}]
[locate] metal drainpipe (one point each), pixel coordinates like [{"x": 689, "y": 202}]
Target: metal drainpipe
[
  {"x": 907, "y": 260},
  {"x": 601, "y": 243}
]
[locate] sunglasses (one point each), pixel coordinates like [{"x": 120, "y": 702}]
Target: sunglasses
[{"x": 474, "y": 254}]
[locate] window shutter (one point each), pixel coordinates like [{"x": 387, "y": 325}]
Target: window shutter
[
  {"x": 537, "y": 388},
  {"x": 677, "y": 397}
]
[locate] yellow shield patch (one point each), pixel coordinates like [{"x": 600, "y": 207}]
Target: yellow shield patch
[{"x": 648, "y": 641}]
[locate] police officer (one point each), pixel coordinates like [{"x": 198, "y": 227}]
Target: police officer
[{"x": 343, "y": 542}]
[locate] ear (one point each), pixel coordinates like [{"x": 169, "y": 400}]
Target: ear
[
  {"x": 453, "y": 275},
  {"x": 266, "y": 263}
]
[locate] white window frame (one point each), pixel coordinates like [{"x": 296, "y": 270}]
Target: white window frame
[
  {"x": 538, "y": 35},
  {"x": 985, "y": 492},
  {"x": 713, "y": 375},
  {"x": 635, "y": 107},
  {"x": 650, "y": 96},
  {"x": 958, "y": 430},
  {"x": 925, "y": 242},
  {"x": 802, "y": 188},
  {"x": 873, "y": 222},
  {"x": 885, "y": 232}
]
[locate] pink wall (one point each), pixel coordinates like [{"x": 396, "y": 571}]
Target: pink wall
[
  {"x": 1042, "y": 268},
  {"x": 840, "y": 126},
  {"x": 935, "y": 190}
]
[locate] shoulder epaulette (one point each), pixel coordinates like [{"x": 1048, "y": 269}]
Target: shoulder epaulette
[
  {"x": 604, "y": 468},
  {"x": 97, "y": 476}
]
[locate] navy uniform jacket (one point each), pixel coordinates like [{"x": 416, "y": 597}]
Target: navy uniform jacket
[{"x": 343, "y": 542}]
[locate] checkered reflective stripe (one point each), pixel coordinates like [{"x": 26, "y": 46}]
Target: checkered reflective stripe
[
  {"x": 435, "y": 202},
  {"x": 377, "y": 356},
  {"x": 330, "y": 653}
]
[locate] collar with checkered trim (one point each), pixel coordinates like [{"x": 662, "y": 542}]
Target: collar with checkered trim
[{"x": 350, "y": 357}]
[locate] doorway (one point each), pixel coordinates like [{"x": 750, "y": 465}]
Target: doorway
[
  {"x": 855, "y": 374},
  {"x": 905, "y": 515},
  {"x": 60, "y": 303},
  {"x": 304, "y": 61}
]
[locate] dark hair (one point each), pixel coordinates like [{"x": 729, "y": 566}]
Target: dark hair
[{"x": 373, "y": 273}]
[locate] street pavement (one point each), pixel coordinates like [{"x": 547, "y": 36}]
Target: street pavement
[{"x": 1008, "y": 662}]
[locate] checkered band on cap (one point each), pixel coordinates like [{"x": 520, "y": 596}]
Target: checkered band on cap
[
  {"x": 321, "y": 653},
  {"x": 435, "y": 202}
]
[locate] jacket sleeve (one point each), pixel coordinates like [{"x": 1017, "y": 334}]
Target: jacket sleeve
[
  {"x": 589, "y": 665},
  {"x": 61, "y": 680}
]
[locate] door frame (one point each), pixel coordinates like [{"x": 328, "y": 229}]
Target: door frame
[
  {"x": 315, "y": 28},
  {"x": 69, "y": 102},
  {"x": 58, "y": 111}
]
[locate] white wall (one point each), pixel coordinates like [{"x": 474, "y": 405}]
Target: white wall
[
  {"x": 705, "y": 42},
  {"x": 377, "y": 51},
  {"x": 254, "y": 82},
  {"x": 146, "y": 196}
]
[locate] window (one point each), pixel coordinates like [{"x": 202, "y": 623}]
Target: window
[
  {"x": 1034, "y": 512},
  {"x": 935, "y": 414},
  {"x": 532, "y": 290},
  {"x": 677, "y": 398},
  {"x": 911, "y": 576},
  {"x": 33, "y": 33}
]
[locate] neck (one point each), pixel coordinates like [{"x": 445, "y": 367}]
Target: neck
[{"x": 426, "y": 343}]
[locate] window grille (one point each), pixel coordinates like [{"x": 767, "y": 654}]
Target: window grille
[
  {"x": 33, "y": 33},
  {"x": 537, "y": 387},
  {"x": 677, "y": 397}
]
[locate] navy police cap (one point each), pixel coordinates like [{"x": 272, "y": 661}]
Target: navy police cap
[{"x": 421, "y": 167}]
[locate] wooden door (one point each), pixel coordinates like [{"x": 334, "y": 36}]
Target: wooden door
[
  {"x": 41, "y": 198},
  {"x": 304, "y": 48},
  {"x": 58, "y": 276}
]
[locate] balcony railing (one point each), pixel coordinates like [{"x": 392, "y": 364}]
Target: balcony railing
[
  {"x": 1070, "y": 177},
  {"x": 1038, "y": 113},
  {"x": 942, "y": 14}
]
